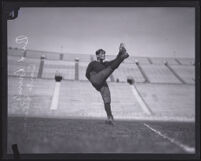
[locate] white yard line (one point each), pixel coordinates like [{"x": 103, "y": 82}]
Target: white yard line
[
  {"x": 55, "y": 97},
  {"x": 140, "y": 100},
  {"x": 186, "y": 148}
]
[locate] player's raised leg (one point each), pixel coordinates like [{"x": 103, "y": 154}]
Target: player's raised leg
[{"x": 98, "y": 78}]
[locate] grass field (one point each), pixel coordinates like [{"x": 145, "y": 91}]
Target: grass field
[
  {"x": 50, "y": 135},
  {"x": 77, "y": 125}
]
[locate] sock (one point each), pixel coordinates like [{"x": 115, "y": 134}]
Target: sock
[{"x": 108, "y": 110}]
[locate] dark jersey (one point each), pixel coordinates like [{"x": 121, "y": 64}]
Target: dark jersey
[{"x": 96, "y": 66}]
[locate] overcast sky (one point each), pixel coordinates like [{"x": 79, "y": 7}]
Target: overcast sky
[{"x": 163, "y": 32}]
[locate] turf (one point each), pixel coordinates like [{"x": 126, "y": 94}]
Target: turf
[{"x": 50, "y": 135}]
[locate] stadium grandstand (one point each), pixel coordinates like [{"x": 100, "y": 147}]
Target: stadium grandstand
[
  {"x": 154, "y": 114},
  {"x": 162, "y": 83}
]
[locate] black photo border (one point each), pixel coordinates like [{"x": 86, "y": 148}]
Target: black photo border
[{"x": 10, "y": 5}]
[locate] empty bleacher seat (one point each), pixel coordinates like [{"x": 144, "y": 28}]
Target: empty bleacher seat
[
  {"x": 187, "y": 73},
  {"x": 159, "y": 74},
  {"x": 186, "y": 61},
  {"x": 15, "y": 52},
  {"x": 72, "y": 57},
  {"x": 161, "y": 61},
  {"x": 17, "y": 66},
  {"x": 130, "y": 60},
  {"x": 66, "y": 68},
  {"x": 126, "y": 70},
  {"x": 34, "y": 54},
  {"x": 37, "y": 54},
  {"x": 142, "y": 60},
  {"x": 169, "y": 99}
]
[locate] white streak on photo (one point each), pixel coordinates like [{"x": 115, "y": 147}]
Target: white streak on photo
[
  {"x": 186, "y": 148},
  {"x": 55, "y": 97}
]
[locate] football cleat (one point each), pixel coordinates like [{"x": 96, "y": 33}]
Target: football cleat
[
  {"x": 110, "y": 120},
  {"x": 122, "y": 51}
]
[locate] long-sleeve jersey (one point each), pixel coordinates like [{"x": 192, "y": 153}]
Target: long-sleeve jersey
[{"x": 96, "y": 66}]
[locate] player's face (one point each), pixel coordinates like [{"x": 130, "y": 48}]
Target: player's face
[{"x": 101, "y": 56}]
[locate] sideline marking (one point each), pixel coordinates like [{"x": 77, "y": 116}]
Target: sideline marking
[
  {"x": 145, "y": 108},
  {"x": 186, "y": 148},
  {"x": 55, "y": 98}
]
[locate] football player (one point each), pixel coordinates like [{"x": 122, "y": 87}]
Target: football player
[{"x": 99, "y": 70}]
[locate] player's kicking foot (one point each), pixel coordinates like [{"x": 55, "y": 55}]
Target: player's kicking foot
[
  {"x": 122, "y": 51},
  {"x": 125, "y": 55}
]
